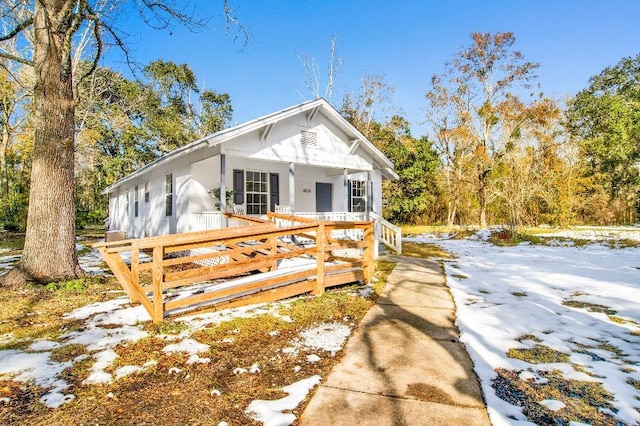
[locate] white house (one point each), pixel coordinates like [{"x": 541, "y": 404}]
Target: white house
[{"x": 304, "y": 159}]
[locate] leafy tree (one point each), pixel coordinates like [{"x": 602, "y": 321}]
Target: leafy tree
[
  {"x": 51, "y": 26},
  {"x": 605, "y": 117},
  {"x": 124, "y": 124},
  {"x": 480, "y": 108},
  {"x": 413, "y": 197}
]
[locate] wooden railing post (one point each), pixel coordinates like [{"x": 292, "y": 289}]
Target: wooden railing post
[
  {"x": 135, "y": 273},
  {"x": 369, "y": 255},
  {"x": 320, "y": 255},
  {"x": 156, "y": 284}
]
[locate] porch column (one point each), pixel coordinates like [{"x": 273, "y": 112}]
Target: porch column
[
  {"x": 292, "y": 188},
  {"x": 369, "y": 191},
  {"x": 345, "y": 175},
  {"x": 223, "y": 182}
]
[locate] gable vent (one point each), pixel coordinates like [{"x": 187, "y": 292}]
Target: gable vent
[{"x": 308, "y": 138}]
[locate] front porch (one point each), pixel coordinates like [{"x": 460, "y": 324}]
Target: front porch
[{"x": 384, "y": 231}]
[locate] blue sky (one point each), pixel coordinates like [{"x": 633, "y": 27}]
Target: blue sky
[{"x": 406, "y": 41}]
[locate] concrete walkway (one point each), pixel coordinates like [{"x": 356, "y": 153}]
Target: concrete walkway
[{"x": 403, "y": 365}]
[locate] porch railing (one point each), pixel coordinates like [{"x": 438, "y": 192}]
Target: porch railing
[
  {"x": 385, "y": 232},
  {"x": 204, "y": 221}
]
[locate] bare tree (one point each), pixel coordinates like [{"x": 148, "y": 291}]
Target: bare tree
[
  {"x": 52, "y": 27},
  {"x": 313, "y": 75},
  {"x": 364, "y": 108}
]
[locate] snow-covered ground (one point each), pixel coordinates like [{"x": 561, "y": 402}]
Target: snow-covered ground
[{"x": 504, "y": 293}]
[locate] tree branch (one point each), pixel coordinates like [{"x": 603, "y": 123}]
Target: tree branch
[
  {"x": 16, "y": 58},
  {"x": 93, "y": 17},
  {"x": 232, "y": 20},
  {"x": 18, "y": 29}
]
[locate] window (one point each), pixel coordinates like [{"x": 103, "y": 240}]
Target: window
[
  {"x": 256, "y": 186},
  {"x": 358, "y": 196},
  {"x": 126, "y": 202},
  {"x": 135, "y": 201},
  {"x": 146, "y": 192},
  {"x": 168, "y": 193}
]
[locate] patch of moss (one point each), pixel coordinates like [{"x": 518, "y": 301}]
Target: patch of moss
[
  {"x": 539, "y": 354},
  {"x": 619, "y": 320},
  {"x": 168, "y": 326},
  {"x": 529, "y": 337},
  {"x": 613, "y": 349},
  {"x": 71, "y": 285},
  {"x": 531, "y": 239},
  {"x": 623, "y": 243},
  {"x": 591, "y": 307},
  {"x": 67, "y": 352}
]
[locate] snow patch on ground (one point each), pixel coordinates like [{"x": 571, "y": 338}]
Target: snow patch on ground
[
  {"x": 329, "y": 337},
  {"x": 273, "y": 413},
  {"x": 37, "y": 368}
]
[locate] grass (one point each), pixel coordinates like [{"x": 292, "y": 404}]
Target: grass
[
  {"x": 585, "y": 401},
  {"x": 37, "y": 311},
  {"x": 591, "y": 307},
  {"x": 157, "y": 394},
  {"x": 424, "y": 250},
  {"x": 456, "y": 232}
]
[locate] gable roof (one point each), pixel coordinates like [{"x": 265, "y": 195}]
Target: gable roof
[{"x": 310, "y": 108}]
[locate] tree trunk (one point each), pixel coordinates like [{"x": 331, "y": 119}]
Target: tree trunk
[
  {"x": 4, "y": 175},
  {"x": 482, "y": 200},
  {"x": 49, "y": 252}
]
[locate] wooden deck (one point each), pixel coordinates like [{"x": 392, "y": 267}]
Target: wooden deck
[{"x": 243, "y": 260}]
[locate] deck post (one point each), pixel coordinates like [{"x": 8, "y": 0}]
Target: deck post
[
  {"x": 320, "y": 254},
  {"x": 223, "y": 183},
  {"x": 292, "y": 189},
  {"x": 345, "y": 182},
  {"x": 135, "y": 272},
  {"x": 369, "y": 255},
  {"x": 369, "y": 194},
  {"x": 156, "y": 284}
]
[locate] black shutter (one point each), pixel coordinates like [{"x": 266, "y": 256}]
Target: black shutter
[
  {"x": 274, "y": 190},
  {"x": 238, "y": 187},
  {"x": 349, "y": 193}
]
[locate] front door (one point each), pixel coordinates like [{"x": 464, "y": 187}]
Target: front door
[{"x": 324, "y": 195}]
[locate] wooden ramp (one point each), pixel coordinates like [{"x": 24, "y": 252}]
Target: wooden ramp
[{"x": 241, "y": 265}]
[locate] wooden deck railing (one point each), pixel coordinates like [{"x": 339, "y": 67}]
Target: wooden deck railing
[{"x": 169, "y": 274}]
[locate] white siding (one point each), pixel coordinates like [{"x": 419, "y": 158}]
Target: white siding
[{"x": 197, "y": 172}]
